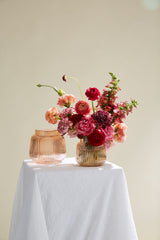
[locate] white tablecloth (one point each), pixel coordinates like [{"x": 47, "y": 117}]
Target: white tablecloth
[{"x": 68, "y": 202}]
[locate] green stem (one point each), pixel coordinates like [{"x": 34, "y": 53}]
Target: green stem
[
  {"x": 54, "y": 88},
  {"x": 93, "y": 107},
  {"x": 57, "y": 117},
  {"x": 78, "y": 85}
]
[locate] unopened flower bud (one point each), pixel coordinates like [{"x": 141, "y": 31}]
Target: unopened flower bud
[
  {"x": 64, "y": 78},
  {"x": 61, "y": 92}
]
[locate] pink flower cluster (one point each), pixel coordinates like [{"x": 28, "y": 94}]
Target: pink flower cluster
[
  {"x": 100, "y": 122},
  {"x": 66, "y": 100}
]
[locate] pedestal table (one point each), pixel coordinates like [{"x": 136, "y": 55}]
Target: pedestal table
[{"x": 69, "y": 202}]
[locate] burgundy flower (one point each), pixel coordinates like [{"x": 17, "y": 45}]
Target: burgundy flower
[
  {"x": 97, "y": 137},
  {"x": 75, "y": 118},
  {"x": 92, "y": 93},
  {"x": 85, "y": 126},
  {"x": 102, "y": 118},
  {"x": 80, "y": 136}
]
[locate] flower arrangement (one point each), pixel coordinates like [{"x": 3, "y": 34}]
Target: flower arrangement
[{"x": 98, "y": 123}]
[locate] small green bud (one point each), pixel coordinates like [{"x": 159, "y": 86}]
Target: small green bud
[
  {"x": 39, "y": 85},
  {"x": 61, "y": 92}
]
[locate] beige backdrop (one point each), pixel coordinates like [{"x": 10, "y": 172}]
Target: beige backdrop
[{"x": 40, "y": 40}]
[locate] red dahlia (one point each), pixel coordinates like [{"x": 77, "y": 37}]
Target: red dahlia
[
  {"x": 92, "y": 93},
  {"x": 97, "y": 137}
]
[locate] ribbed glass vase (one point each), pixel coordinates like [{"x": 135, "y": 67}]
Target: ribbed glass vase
[
  {"x": 47, "y": 147},
  {"x": 90, "y": 156}
]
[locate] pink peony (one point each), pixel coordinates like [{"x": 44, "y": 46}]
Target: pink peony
[
  {"x": 120, "y": 129},
  {"x": 64, "y": 125},
  {"x": 85, "y": 126},
  {"x": 82, "y": 107},
  {"x": 109, "y": 131},
  {"x": 66, "y": 100},
  {"x": 92, "y": 93},
  {"x": 51, "y": 114},
  {"x": 66, "y": 112}
]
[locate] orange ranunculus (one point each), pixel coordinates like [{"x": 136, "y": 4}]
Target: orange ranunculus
[{"x": 50, "y": 115}]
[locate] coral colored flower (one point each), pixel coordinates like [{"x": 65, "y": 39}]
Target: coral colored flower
[
  {"x": 109, "y": 131},
  {"x": 102, "y": 118},
  {"x": 120, "y": 132},
  {"x": 51, "y": 114},
  {"x": 64, "y": 125},
  {"x": 66, "y": 100},
  {"x": 97, "y": 137},
  {"x": 67, "y": 112},
  {"x": 85, "y": 126},
  {"x": 75, "y": 118},
  {"x": 92, "y": 93},
  {"x": 82, "y": 107}
]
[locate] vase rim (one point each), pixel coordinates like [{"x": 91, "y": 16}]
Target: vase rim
[{"x": 46, "y": 132}]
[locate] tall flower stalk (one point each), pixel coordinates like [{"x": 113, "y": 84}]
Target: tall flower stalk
[{"x": 77, "y": 81}]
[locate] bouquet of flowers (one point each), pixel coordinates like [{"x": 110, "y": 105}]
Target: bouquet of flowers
[{"x": 98, "y": 122}]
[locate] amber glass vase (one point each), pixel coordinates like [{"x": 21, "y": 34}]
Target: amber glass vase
[
  {"x": 89, "y": 156},
  {"x": 47, "y": 147}
]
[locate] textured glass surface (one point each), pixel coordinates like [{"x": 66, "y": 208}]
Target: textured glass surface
[
  {"x": 47, "y": 146},
  {"x": 89, "y": 156}
]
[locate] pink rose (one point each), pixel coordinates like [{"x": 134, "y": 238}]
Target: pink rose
[{"x": 85, "y": 127}]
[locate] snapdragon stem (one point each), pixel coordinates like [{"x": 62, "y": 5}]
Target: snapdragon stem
[
  {"x": 93, "y": 107},
  {"x": 78, "y": 85},
  {"x": 54, "y": 88}
]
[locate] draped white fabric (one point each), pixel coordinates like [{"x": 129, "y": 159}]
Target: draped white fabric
[{"x": 68, "y": 202}]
